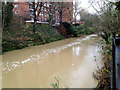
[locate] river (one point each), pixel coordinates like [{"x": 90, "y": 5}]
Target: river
[{"x": 72, "y": 60}]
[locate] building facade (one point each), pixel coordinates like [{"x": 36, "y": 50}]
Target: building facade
[{"x": 25, "y": 10}]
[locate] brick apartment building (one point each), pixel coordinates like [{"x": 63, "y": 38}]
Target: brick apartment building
[{"x": 25, "y": 10}]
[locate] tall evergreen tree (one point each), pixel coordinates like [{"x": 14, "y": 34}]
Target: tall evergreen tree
[{"x": 7, "y": 13}]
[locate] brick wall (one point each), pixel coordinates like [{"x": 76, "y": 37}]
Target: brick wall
[{"x": 22, "y": 9}]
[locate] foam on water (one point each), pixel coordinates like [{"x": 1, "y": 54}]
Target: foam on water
[{"x": 11, "y": 66}]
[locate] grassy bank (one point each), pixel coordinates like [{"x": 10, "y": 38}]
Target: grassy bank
[{"x": 17, "y": 38}]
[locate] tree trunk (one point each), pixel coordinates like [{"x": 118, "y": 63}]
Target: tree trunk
[
  {"x": 106, "y": 36},
  {"x": 75, "y": 19},
  {"x": 50, "y": 20},
  {"x": 60, "y": 18},
  {"x": 34, "y": 17}
]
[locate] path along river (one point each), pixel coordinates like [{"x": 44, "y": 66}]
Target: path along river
[{"x": 72, "y": 60}]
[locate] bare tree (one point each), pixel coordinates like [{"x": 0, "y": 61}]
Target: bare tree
[
  {"x": 36, "y": 6},
  {"x": 68, "y": 14},
  {"x": 76, "y": 10},
  {"x": 51, "y": 12},
  {"x": 37, "y": 9},
  {"x": 61, "y": 7},
  {"x": 107, "y": 20},
  {"x": 83, "y": 14}
]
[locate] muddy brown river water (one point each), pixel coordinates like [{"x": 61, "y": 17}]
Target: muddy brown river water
[{"x": 72, "y": 60}]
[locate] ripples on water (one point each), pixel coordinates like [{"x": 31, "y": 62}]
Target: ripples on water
[{"x": 9, "y": 66}]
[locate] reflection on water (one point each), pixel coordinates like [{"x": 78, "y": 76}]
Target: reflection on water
[
  {"x": 76, "y": 51},
  {"x": 36, "y": 67}
]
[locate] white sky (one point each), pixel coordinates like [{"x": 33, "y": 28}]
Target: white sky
[{"x": 86, "y": 5}]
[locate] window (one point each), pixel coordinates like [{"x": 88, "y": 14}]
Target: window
[
  {"x": 40, "y": 13},
  {"x": 35, "y": 6},
  {"x": 36, "y": 12},
  {"x": 45, "y": 9},
  {"x": 42, "y": 18},
  {"x": 30, "y": 6},
  {"x": 31, "y": 13},
  {"x": 55, "y": 12},
  {"x": 45, "y": 15},
  {"x": 47, "y": 5},
  {"x": 45, "y": 19},
  {"x": 16, "y": 6},
  {"x": 53, "y": 15},
  {"x": 16, "y": 12},
  {"x": 39, "y": 19},
  {"x": 32, "y": 19},
  {"x": 42, "y": 9}
]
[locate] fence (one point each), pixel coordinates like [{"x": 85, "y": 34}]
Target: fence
[{"x": 115, "y": 69}]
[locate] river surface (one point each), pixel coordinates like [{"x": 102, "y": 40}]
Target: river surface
[{"x": 72, "y": 60}]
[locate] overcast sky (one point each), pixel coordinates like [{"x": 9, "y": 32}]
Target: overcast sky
[
  {"x": 85, "y": 5},
  {"x": 88, "y": 7}
]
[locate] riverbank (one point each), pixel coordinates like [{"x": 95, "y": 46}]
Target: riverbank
[
  {"x": 103, "y": 75},
  {"x": 17, "y": 37}
]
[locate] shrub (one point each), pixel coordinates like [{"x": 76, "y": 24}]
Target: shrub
[
  {"x": 82, "y": 29},
  {"x": 68, "y": 27},
  {"x": 78, "y": 30},
  {"x": 89, "y": 30}
]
